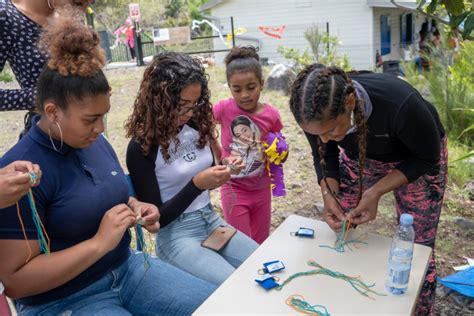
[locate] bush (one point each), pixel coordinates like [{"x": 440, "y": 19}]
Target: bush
[
  {"x": 449, "y": 85},
  {"x": 327, "y": 56}
]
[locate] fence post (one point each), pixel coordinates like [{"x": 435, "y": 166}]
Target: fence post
[
  {"x": 327, "y": 44},
  {"x": 105, "y": 43},
  {"x": 232, "y": 29},
  {"x": 138, "y": 44}
]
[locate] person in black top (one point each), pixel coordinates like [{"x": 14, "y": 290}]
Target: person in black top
[
  {"x": 371, "y": 134},
  {"x": 21, "y": 23},
  {"x": 171, "y": 163}
]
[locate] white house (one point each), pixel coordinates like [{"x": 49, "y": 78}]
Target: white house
[{"x": 362, "y": 26}]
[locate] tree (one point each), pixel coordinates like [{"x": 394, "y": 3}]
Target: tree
[
  {"x": 173, "y": 8},
  {"x": 457, "y": 14}
]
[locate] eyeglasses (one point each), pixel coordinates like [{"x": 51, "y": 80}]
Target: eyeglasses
[{"x": 184, "y": 107}]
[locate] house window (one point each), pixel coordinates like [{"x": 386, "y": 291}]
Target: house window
[
  {"x": 406, "y": 29},
  {"x": 385, "y": 38}
]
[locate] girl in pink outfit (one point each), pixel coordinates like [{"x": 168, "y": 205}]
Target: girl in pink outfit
[
  {"x": 130, "y": 41},
  {"x": 245, "y": 123}
]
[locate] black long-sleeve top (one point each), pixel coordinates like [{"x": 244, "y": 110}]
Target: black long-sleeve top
[
  {"x": 402, "y": 127},
  {"x": 142, "y": 169}
]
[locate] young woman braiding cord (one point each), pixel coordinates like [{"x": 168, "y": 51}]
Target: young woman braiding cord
[{"x": 378, "y": 131}]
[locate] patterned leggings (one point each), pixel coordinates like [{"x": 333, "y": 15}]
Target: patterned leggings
[{"x": 422, "y": 198}]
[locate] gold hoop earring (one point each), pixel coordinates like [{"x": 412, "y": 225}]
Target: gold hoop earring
[
  {"x": 51, "y": 139},
  {"x": 50, "y": 5}
]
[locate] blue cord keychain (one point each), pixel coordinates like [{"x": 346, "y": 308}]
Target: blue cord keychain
[
  {"x": 303, "y": 232},
  {"x": 267, "y": 281},
  {"x": 271, "y": 266}
]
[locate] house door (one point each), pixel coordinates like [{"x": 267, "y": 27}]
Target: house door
[{"x": 385, "y": 38}]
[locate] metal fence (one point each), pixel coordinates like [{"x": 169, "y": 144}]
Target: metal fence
[{"x": 122, "y": 53}]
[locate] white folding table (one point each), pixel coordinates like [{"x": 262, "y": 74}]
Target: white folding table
[{"x": 240, "y": 294}]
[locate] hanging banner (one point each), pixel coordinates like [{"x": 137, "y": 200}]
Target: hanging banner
[
  {"x": 196, "y": 24},
  {"x": 273, "y": 31}
]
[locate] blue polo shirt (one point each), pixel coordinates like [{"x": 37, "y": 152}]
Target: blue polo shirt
[{"x": 77, "y": 188}]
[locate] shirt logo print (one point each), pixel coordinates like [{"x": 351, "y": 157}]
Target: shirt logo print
[
  {"x": 190, "y": 156},
  {"x": 114, "y": 173}
]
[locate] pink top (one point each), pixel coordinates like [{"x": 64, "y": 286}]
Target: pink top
[
  {"x": 129, "y": 33},
  {"x": 243, "y": 134}
]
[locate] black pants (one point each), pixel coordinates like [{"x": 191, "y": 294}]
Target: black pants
[{"x": 132, "y": 51}]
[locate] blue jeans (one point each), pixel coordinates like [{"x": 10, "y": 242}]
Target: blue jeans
[
  {"x": 179, "y": 243},
  {"x": 131, "y": 290}
]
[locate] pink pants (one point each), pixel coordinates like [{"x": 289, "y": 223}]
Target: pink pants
[
  {"x": 248, "y": 211},
  {"x": 4, "y": 307}
]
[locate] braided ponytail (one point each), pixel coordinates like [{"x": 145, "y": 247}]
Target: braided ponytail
[{"x": 320, "y": 93}]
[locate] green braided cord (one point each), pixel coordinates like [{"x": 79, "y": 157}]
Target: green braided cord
[
  {"x": 340, "y": 243},
  {"x": 361, "y": 287},
  {"x": 299, "y": 304}
]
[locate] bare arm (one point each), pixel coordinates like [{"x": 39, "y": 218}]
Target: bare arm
[
  {"x": 332, "y": 213},
  {"x": 42, "y": 273},
  {"x": 367, "y": 208},
  {"x": 46, "y": 272},
  {"x": 216, "y": 151}
]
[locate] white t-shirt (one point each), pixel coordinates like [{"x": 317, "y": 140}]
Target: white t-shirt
[{"x": 185, "y": 162}]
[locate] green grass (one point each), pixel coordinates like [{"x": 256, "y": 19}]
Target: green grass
[
  {"x": 459, "y": 171},
  {"x": 6, "y": 75}
]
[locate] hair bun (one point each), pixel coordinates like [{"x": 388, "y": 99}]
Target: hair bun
[
  {"x": 73, "y": 47},
  {"x": 241, "y": 52}
]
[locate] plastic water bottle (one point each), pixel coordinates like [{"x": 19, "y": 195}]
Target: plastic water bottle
[{"x": 399, "y": 259}]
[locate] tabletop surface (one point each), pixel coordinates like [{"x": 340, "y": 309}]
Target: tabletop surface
[{"x": 240, "y": 294}]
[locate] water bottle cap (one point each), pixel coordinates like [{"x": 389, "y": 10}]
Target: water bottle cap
[{"x": 406, "y": 219}]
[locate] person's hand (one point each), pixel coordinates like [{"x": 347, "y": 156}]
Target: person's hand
[
  {"x": 332, "y": 213},
  {"x": 147, "y": 215},
  {"x": 234, "y": 163},
  {"x": 212, "y": 177},
  {"x": 367, "y": 208},
  {"x": 13, "y": 186},
  {"x": 112, "y": 227},
  {"x": 23, "y": 167}
]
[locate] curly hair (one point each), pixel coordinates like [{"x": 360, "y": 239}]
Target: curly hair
[
  {"x": 69, "y": 43},
  {"x": 243, "y": 59},
  {"x": 320, "y": 93},
  {"x": 154, "y": 120},
  {"x": 74, "y": 67}
]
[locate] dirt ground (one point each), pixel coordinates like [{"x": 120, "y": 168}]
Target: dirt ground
[{"x": 303, "y": 197}]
